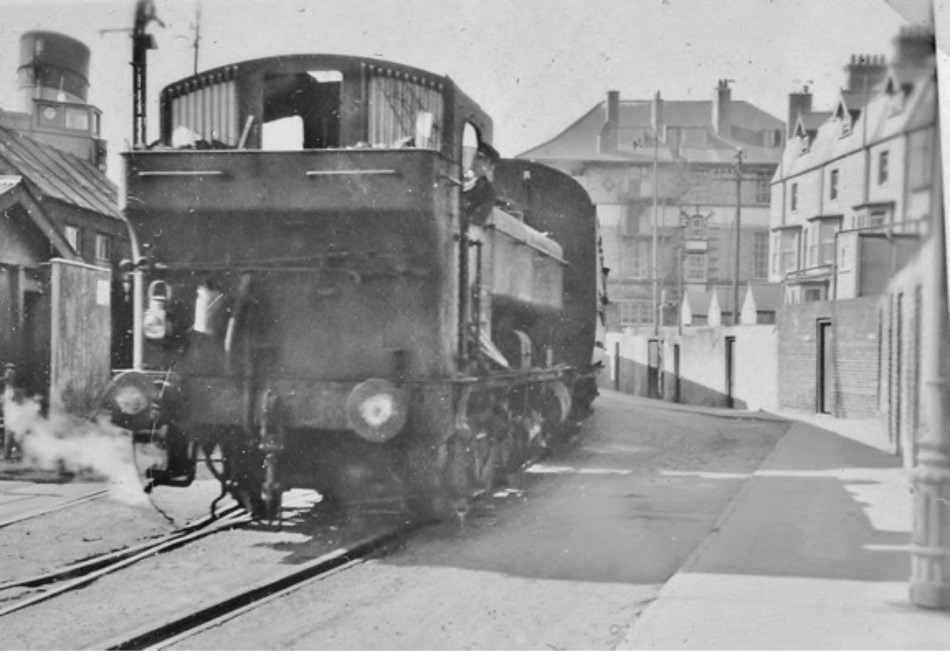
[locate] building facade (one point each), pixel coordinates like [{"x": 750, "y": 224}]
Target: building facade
[
  {"x": 852, "y": 204},
  {"x": 852, "y": 197},
  {"x": 684, "y": 168}
]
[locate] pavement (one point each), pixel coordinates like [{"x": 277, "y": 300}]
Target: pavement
[{"x": 812, "y": 553}]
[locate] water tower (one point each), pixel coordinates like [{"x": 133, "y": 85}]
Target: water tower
[
  {"x": 52, "y": 67},
  {"x": 53, "y": 84}
]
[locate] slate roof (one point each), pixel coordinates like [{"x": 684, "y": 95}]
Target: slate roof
[
  {"x": 579, "y": 141},
  {"x": 725, "y": 299},
  {"x": 876, "y": 122},
  {"x": 698, "y": 301},
  {"x": 767, "y": 297},
  {"x": 53, "y": 174}
]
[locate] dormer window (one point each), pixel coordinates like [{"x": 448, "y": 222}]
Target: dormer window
[
  {"x": 896, "y": 94},
  {"x": 844, "y": 118},
  {"x": 773, "y": 138}
]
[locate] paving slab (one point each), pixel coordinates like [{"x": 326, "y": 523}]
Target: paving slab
[{"x": 811, "y": 554}]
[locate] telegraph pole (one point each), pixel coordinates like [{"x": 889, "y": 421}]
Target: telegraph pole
[
  {"x": 656, "y": 275},
  {"x": 735, "y": 280}
]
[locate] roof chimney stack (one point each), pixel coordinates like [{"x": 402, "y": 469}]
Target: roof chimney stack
[
  {"x": 722, "y": 110},
  {"x": 864, "y": 71},
  {"x": 656, "y": 115},
  {"x": 609, "y": 133},
  {"x": 914, "y": 44}
]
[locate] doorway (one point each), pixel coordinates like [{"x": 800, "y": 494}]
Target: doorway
[
  {"x": 654, "y": 369},
  {"x": 676, "y": 372},
  {"x": 825, "y": 383},
  {"x": 730, "y": 371}
]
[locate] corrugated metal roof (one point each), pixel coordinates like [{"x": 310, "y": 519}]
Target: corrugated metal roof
[{"x": 54, "y": 174}]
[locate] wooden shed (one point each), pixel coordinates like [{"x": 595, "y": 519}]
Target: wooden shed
[{"x": 61, "y": 234}]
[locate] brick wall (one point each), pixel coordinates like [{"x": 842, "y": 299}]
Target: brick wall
[
  {"x": 904, "y": 323},
  {"x": 851, "y": 371}
]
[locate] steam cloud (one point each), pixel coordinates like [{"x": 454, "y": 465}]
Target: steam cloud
[{"x": 64, "y": 442}]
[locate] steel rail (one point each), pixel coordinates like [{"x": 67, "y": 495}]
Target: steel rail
[
  {"x": 187, "y": 624},
  {"x": 56, "y": 507},
  {"x": 95, "y": 563},
  {"x": 162, "y": 545}
]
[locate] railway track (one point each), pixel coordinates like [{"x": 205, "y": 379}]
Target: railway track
[
  {"x": 83, "y": 573},
  {"x": 59, "y": 506},
  {"x": 181, "y": 626}
]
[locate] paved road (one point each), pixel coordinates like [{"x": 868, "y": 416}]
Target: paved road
[{"x": 568, "y": 559}]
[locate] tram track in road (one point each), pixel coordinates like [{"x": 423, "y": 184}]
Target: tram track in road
[{"x": 181, "y": 626}]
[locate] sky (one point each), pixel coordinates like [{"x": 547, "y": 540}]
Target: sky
[{"x": 536, "y": 66}]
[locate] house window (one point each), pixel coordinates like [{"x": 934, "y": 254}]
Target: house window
[
  {"x": 846, "y": 259},
  {"x": 920, "y": 163},
  {"x": 697, "y": 228},
  {"x": 882, "y": 171},
  {"x": 794, "y": 198},
  {"x": 826, "y": 246},
  {"x": 695, "y": 137},
  {"x": 763, "y": 187},
  {"x": 632, "y": 216},
  {"x": 71, "y": 233},
  {"x": 833, "y": 185},
  {"x": 103, "y": 247},
  {"x": 812, "y": 295},
  {"x": 776, "y": 254},
  {"x": 811, "y": 248},
  {"x": 789, "y": 251},
  {"x": 636, "y": 312},
  {"x": 696, "y": 268},
  {"x": 877, "y": 217},
  {"x": 637, "y": 259},
  {"x": 760, "y": 255}
]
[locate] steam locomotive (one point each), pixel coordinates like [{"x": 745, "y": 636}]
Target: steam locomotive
[{"x": 336, "y": 279}]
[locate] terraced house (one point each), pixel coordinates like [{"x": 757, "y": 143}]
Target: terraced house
[{"x": 852, "y": 200}]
